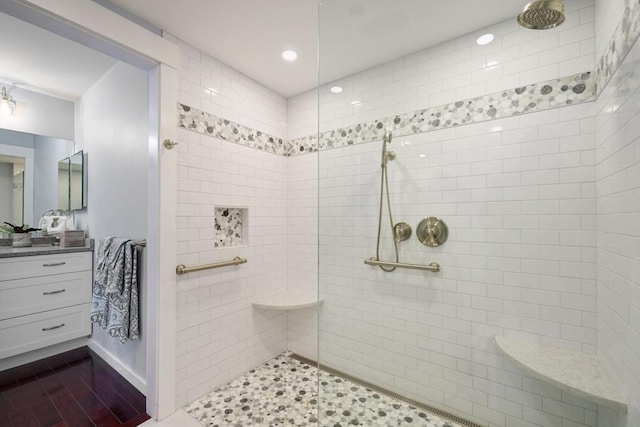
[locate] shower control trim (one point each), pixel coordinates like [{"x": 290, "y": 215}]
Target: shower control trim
[{"x": 432, "y": 231}]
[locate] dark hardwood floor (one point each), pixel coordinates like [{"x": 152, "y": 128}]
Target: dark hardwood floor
[{"x": 76, "y": 388}]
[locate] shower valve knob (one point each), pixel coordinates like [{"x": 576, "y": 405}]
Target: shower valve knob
[{"x": 432, "y": 231}]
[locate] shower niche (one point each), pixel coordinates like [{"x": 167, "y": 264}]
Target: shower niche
[{"x": 230, "y": 227}]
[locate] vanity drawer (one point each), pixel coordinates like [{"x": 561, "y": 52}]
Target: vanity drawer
[
  {"x": 44, "y": 265},
  {"x": 26, "y": 333},
  {"x": 27, "y": 296}
]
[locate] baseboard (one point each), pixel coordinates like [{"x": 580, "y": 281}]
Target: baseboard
[
  {"x": 128, "y": 374},
  {"x": 41, "y": 353}
]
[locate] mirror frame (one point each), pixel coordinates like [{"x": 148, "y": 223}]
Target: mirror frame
[
  {"x": 76, "y": 183},
  {"x": 63, "y": 184}
]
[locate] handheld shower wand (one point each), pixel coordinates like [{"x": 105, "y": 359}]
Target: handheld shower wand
[
  {"x": 384, "y": 185},
  {"x": 387, "y": 155}
]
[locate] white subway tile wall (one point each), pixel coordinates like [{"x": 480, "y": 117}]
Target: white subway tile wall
[
  {"x": 302, "y": 115},
  {"x": 209, "y": 85},
  {"x": 519, "y": 261},
  {"x": 455, "y": 70},
  {"x": 618, "y": 232},
  {"x": 219, "y": 335},
  {"x": 302, "y": 250}
]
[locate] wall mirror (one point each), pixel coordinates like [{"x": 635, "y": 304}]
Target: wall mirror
[
  {"x": 29, "y": 172},
  {"x": 46, "y": 75},
  {"x": 71, "y": 182},
  {"x": 76, "y": 181}
]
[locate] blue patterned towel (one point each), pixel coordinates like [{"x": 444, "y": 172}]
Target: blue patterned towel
[{"x": 114, "y": 306}]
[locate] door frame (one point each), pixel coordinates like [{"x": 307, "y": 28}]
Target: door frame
[{"x": 90, "y": 24}]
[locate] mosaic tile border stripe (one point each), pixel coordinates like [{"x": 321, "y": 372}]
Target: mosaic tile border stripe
[
  {"x": 209, "y": 124},
  {"x": 623, "y": 38},
  {"x": 555, "y": 93}
]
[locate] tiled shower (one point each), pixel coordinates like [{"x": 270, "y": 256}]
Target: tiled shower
[{"x": 527, "y": 147}]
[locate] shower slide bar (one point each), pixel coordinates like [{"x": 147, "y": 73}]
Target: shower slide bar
[
  {"x": 183, "y": 269},
  {"x": 434, "y": 266}
]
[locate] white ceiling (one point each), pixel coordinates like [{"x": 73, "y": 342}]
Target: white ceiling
[
  {"x": 38, "y": 60},
  {"x": 249, "y": 35}
]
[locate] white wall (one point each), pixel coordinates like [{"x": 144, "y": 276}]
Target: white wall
[
  {"x": 19, "y": 139},
  {"x": 219, "y": 335},
  {"x": 40, "y": 115},
  {"x": 618, "y": 229},
  {"x": 112, "y": 119}
]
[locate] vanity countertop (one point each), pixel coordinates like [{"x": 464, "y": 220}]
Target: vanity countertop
[{"x": 10, "y": 252}]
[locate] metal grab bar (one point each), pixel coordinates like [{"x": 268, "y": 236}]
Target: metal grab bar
[
  {"x": 183, "y": 269},
  {"x": 434, "y": 266}
]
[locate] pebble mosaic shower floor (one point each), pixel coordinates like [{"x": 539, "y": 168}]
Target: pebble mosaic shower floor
[{"x": 283, "y": 392}]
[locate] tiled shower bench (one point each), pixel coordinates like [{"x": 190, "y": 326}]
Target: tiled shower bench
[{"x": 580, "y": 374}]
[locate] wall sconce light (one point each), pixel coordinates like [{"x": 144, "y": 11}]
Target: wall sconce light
[{"x": 7, "y": 104}]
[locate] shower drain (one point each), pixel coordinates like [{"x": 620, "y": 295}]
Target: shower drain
[{"x": 389, "y": 393}]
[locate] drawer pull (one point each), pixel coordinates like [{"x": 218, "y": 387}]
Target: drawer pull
[
  {"x": 53, "y": 327},
  {"x": 59, "y": 291},
  {"x": 54, "y": 264}
]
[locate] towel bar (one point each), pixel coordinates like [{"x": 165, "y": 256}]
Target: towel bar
[{"x": 183, "y": 269}]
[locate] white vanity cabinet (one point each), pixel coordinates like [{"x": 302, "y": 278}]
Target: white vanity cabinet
[{"x": 44, "y": 300}]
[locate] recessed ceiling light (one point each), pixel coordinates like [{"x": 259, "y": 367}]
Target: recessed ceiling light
[
  {"x": 336, "y": 89},
  {"x": 289, "y": 55},
  {"x": 485, "y": 39}
]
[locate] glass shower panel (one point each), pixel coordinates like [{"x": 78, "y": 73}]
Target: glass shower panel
[
  {"x": 456, "y": 200},
  {"x": 375, "y": 350}
]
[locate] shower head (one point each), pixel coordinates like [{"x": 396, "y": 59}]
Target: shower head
[{"x": 542, "y": 15}]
